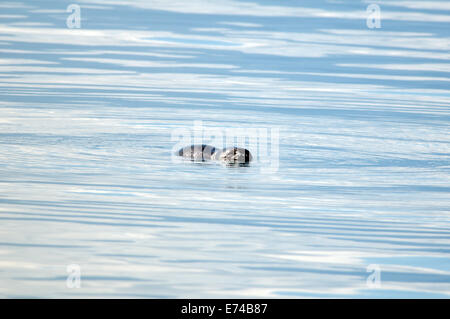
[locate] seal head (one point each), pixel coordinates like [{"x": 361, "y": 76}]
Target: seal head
[{"x": 233, "y": 156}]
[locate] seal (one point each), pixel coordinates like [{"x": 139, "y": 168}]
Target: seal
[
  {"x": 204, "y": 152},
  {"x": 201, "y": 152}
]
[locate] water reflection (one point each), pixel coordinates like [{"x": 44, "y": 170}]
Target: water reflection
[{"x": 85, "y": 141}]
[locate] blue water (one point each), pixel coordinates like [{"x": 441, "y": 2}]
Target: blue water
[{"x": 87, "y": 177}]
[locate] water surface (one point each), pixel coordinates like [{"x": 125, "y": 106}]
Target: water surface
[{"x": 86, "y": 176}]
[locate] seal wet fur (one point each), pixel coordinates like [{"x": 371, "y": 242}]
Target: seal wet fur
[{"x": 201, "y": 152}]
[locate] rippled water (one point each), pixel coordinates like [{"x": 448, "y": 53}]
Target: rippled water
[{"x": 86, "y": 176}]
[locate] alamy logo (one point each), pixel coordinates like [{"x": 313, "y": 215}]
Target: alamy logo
[
  {"x": 262, "y": 143},
  {"x": 374, "y": 279},
  {"x": 74, "y": 278},
  {"x": 74, "y": 20},
  {"x": 374, "y": 16}
]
